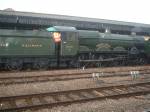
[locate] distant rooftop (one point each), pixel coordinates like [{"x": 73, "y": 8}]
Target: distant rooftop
[{"x": 40, "y": 19}]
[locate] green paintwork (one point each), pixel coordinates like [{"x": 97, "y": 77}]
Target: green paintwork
[
  {"x": 37, "y": 43},
  {"x": 147, "y": 47},
  {"x": 41, "y": 43},
  {"x": 69, "y": 44},
  {"x": 88, "y": 40},
  {"x": 26, "y": 43},
  {"x": 95, "y": 41}
]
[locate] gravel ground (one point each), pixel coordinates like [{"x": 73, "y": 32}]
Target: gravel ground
[
  {"x": 46, "y": 87},
  {"x": 120, "y": 105},
  {"x": 52, "y": 72},
  {"x": 141, "y": 104},
  {"x": 18, "y": 89}
]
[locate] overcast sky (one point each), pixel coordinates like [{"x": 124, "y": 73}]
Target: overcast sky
[{"x": 121, "y": 10}]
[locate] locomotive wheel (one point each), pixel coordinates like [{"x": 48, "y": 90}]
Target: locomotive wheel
[
  {"x": 142, "y": 61},
  {"x": 1, "y": 66},
  {"x": 99, "y": 64},
  {"x": 116, "y": 63},
  {"x": 14, "y": 65},
  {"x": 41, "y": 65},
  {"x": 77, "y": 65}
]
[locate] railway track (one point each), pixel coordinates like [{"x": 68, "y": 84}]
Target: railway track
[
  {"x": 52, "y": 99},
  {"x": 78, "y": 69},
  {"x": 63, "y": 77}
]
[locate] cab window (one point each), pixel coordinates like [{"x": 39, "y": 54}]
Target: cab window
[{"x": 69, "y": 36}]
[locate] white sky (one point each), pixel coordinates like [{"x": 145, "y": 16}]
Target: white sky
[{"x": 121, "y": 10}]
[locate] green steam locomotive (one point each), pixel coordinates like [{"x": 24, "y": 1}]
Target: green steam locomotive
[{"x": 60, "y": 46}]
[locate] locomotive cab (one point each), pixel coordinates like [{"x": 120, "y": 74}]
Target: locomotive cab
[{"x": 66, "y": 42}]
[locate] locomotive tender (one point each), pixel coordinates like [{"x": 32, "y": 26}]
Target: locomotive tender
[{"x": 67, "y": 46}]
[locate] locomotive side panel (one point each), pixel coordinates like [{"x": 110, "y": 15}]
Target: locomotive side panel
[
  {"x": 88, "y": 40},
  {"x": 27, "y": 43},
  {"x": 93, "y": 41}
]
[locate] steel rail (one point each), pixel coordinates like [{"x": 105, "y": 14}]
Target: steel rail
[
  {"x": 128, "y": 90},
  {"x": 60, "y": 77}
]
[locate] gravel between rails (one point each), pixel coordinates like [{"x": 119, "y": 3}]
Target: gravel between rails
[
  {"x": 70, "y": 71},
  {"x": 120, "y": 105},
  {"x": 130, "y": 87},
  {"x": 18, "y": 89}
]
